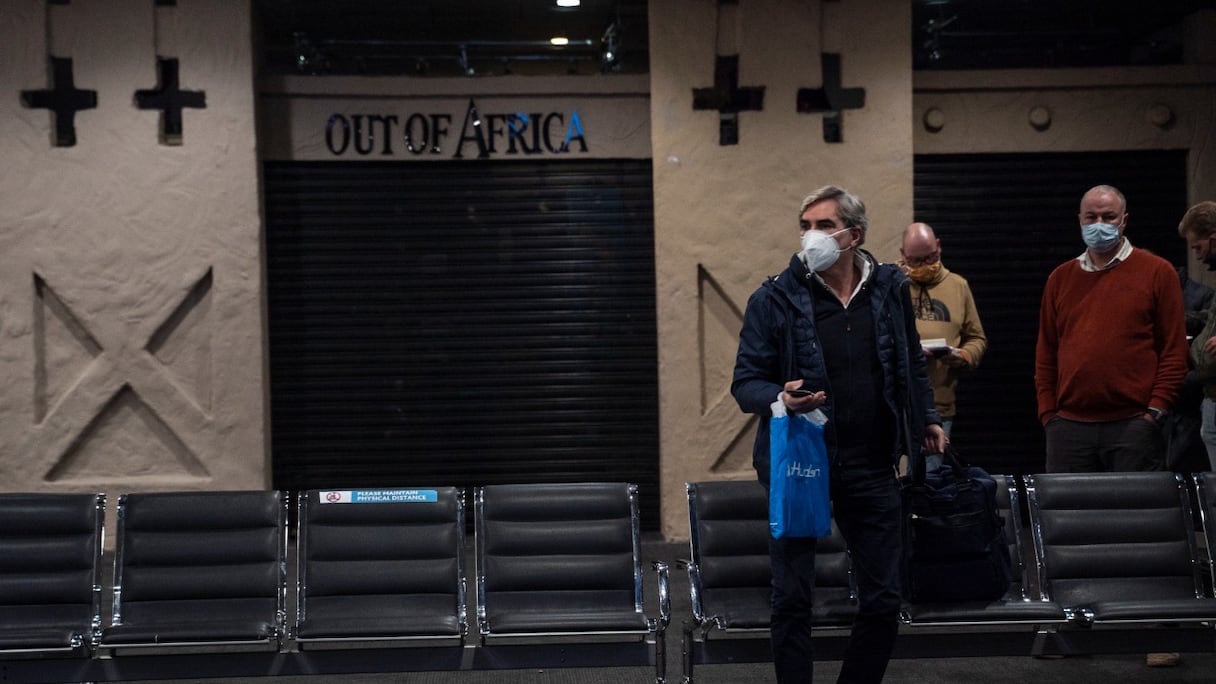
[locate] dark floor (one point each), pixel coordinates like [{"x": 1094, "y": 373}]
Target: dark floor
[{"x": 1195, "y": 667}]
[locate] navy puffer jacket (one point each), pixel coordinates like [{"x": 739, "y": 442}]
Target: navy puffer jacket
[{"x": 779, "y": 342}]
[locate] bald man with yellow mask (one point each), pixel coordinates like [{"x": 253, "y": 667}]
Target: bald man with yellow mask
[{"x": 946, "y": 317}]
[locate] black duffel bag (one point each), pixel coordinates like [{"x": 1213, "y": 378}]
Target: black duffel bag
[{"x": 954, "y": 537}]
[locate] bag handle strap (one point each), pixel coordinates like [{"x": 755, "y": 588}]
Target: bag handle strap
[
  {"x": 916, "y": 455},
  {"x": 957, "y": 466},
  {"x": 950, "y": 457}
]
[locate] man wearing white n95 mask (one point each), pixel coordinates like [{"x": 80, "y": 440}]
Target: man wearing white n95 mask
[{"x": 835, "y": 331}]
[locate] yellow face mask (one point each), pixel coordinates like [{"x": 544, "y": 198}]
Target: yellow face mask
[{"x": 925, "y": 274}]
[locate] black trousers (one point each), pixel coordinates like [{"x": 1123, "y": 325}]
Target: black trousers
[
  {"x": 867, "y": 507},
  {"x": 1128, "y": 445}
]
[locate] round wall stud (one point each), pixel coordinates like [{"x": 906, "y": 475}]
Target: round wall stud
[
  {"x": 1039, "y": 118},
  {"x": 1160, "y": 115},
  {"x": 934, "y": 119}
]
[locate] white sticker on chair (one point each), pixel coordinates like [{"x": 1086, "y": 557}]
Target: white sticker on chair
[{"x": 378, "y": 496}]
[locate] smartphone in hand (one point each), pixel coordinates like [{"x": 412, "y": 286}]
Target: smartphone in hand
[{"x": 800, "y": 392}]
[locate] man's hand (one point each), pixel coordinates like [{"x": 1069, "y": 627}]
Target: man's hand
[
  {"x": 955, "y": 359},
  {"x": 935, "y": 439},
  {"x": 1209, "y": 347},
  {"x": 802, "y": 403}
]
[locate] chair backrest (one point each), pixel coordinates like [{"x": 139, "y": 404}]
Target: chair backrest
[
  {"x": 50, "y": 555},
  {"x": 730, "y": 578},
  {"x": 199, "y": 567},
  {"x": 731, "y": 574},
  {"x": 1205, "y": 492},
  {"x": 1113, "y": 536},
  {"x": 559, "y": 557},
  {"x": 1008, "y": 504},
  {"x": 380, "y": 564}
]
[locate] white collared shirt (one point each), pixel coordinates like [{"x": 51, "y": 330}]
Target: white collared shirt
[
  {"x": 863, "y": 263},
  {"x": 1124, "y": 252}
]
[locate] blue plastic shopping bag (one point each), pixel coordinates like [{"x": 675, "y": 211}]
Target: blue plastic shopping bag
[{"x": 798, "y": 501}]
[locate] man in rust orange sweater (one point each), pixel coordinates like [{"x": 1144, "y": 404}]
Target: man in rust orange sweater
[{"x": 1112, "y": 348}]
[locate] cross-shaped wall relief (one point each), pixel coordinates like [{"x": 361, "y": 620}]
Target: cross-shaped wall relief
[
  {"x": 170, "y": 99},
  {"x": 728, "y": 98},
  {"x": 63, "y": 98},
  {"x": 831, "y": 99}
]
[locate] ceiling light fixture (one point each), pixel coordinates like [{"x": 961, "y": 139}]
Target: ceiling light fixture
[
  {"x": 559, "y": 41},
  {"x": 569, "y": 3}
]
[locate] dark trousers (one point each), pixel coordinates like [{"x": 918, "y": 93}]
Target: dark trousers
[
  {"x": 866, "y": 506},
  {"x": 1128, "y": 445}
]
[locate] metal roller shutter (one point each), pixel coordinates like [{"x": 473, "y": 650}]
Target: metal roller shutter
[
  {"x": 462, "y": 323},
  {"x": 1005, "y": 221}
]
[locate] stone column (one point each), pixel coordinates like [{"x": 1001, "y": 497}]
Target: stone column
[
  {"x": 726, "y": 215},
  {"x": 132, "y": 341}
]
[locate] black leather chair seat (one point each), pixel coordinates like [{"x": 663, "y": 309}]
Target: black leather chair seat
[
  {"x": 1159, "y": 610},
  {"x": 39, "y": 638},
  {"x": 1018, "y": 607},
  {"x": 751, "y": 608},
  {"x": 730, "y": 574},
  {"x": 739, "y": 607},
  {"x": 215, "y": 610},
  {"x": 379, "y": 616},
  {"x": 187, "y": 631},
  {"x": 1010, "y": 611},
  {"x": 838, "y": 612},
  {"x": 560, "y": 564},
  {"x": 50, "y": 550},
  {"x": 565, "y": 622},
  {"x": 199, "y": 568},
  {"x": 519, "y": 612},
  {"x": 395, "y": 627},
  {"x": 1117, "y": 549},
  {"x": 390, "y": 571}
]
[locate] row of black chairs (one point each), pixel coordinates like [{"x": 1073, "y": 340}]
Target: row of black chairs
[
  {"x": 380, "y": 583},
  {"x": 1110, "y": 564}
]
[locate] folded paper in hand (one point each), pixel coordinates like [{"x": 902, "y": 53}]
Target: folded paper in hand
[{"x": 936, "y": 346}]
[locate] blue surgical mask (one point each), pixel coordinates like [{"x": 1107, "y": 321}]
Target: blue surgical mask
[{"x": 1100, "y": 236}]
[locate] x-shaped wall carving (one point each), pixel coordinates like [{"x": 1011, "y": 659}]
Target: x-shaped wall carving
[
  {"x": 107, "y": 387},
  {"x": 727, "y": 430}
]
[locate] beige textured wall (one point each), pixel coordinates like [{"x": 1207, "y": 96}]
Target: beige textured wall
[
  {"x": 725, "y": 216},
  {"x": 131, "y": 319}
]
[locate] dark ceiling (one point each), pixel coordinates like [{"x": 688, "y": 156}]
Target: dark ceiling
[
  {"x": 452, "y": 37},
  {"x": 490, "y": 37},
  {"x": 1009, "y": 34}
]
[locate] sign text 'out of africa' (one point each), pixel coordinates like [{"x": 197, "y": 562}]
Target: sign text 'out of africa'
[{"x": 481, "y": 136}]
